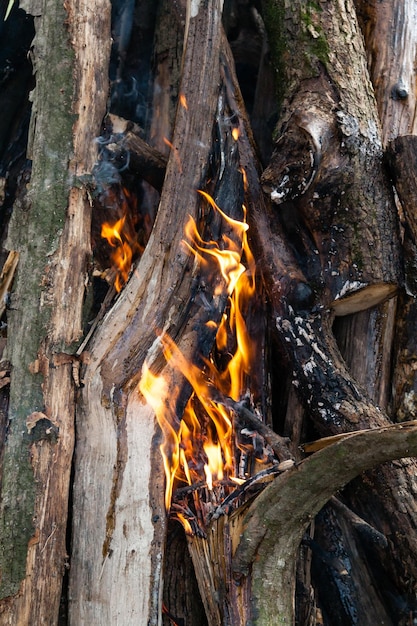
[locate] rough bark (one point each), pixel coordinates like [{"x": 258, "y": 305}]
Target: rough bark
[
  {"x": 326, "y": 178},
  {"x": 326, "y": 243},
  {"x": 50, "y": 230},
  {"x": 391, "y": 46},
  {"x": 246, "y": 564}
]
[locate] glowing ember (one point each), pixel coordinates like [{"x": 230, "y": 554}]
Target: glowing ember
[{"x": 202, "y": 450}]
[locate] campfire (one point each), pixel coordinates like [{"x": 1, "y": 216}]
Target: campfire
[
  {"x": 212, "y": 459},
  {"x": 216, "y": 451}
]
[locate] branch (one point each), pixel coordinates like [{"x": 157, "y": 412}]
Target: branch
[{"x": 276, "y": 521}]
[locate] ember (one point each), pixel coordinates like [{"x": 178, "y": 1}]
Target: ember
[{"x": 203, "y": 451}]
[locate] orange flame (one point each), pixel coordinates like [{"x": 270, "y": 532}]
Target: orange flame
[
  {"x": 202, "y": 449},
  {"x": 183, "y": 101},
  {"x": 156, "y": 392},
  {"x": 121, "y": 237}
]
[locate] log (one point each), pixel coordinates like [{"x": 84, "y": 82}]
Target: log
[
  {"x": 51, "y": 234},
  {"x": 326, "y": 178},
  {"x": 139, "y": 157},
  {"x": 391, "y": 53},
  {"x": 157, "y": 296},
  {"x": 259, "y": 542},
  {"x": 332, "y": 397}
]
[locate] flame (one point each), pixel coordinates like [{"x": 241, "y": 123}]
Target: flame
[
  {"x": 186, "y": 524},
  {"x": 121, "y": 237},
  {"x": 235, "y": 133},
  {"x": 201, "y": 448},
  {"x": 156, "y": 392},
  {"x": 183, "y": 101}
]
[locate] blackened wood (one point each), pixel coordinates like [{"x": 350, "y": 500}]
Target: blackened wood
[
  {"x": 120, "y": 446},
  {"x": 273, "y": 527},
  {"x": 402, "y": 158}
]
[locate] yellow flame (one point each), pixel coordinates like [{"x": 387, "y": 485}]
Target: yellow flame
[
  {"x": 121, "y": 236},
  {"x": 183, "y": 101},
  {"x": 186, "y": 524},
  {"x": 156, "y": 391},
  {"x": 184, "y": 447}
]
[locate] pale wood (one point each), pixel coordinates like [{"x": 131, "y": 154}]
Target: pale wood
[
  {"x": 156, "y": 297},
  {"x": 391, "y": 47},
  {"x": 245, "y": 565}
]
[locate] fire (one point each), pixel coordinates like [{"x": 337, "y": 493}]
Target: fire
[
  {"x": 122, "y": 238},
  {"x": 202, "y": 450},
  {"x": 155, "y": 390},
  {"x": 183, "y": 101}
]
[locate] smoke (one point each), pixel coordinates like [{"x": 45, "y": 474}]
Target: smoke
[{"x": 111, "y": 163}]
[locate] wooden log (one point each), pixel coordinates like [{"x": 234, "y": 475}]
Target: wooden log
[
  {"x": 156, "y": 297},
  {"x": 325, "y": 386},
  {"x": 259, "y": 542},
  {"x": 326, "y": 178},
  {"x": 273, "y": 527},
  {"x": 52, "y": 237},
  {"x": 139, "y": 157},
  {"x": 391, "y": 46}
]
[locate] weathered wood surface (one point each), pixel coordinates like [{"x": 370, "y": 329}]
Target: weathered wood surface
[
  {"x": 248, "y": 558},
  {"x": 326, "y": 178},
  {"x": 112, "y": 440},
  {"x": 51, "y": 232},
  {"x": 391, "y": 48}
]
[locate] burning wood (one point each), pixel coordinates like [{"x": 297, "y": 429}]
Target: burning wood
[
  {"x": 215, "y": 447},
  {"x": 121, "y": 236}
]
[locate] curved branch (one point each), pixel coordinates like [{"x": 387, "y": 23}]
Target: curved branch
[{"x": 276, "y": 521}]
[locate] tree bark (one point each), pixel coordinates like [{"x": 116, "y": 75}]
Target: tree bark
[
  {"x": 130, "y": 533},
  {"x": 45, "y": 320}
]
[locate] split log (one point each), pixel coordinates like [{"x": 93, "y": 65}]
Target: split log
[
  {"x": 112, "y": 441},
  {"x": 129, "y": 149},
  {"x": 326, "y": 178},
  {"x": 391, "y": 45},
  {"x": 51, "y": 233}
]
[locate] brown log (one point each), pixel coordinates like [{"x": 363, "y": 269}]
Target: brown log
[
  {"x": 259, "y": 542},
  {"x": 332, "y": 396},
  {"x": 326, "y": 178},
  {"x": 47, "y": 318},
  {"x": 391, "y": 46},
  {"x": 141, "y": 159}
]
